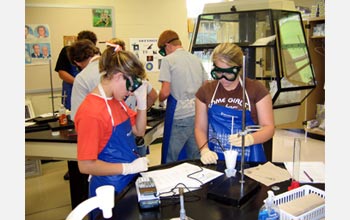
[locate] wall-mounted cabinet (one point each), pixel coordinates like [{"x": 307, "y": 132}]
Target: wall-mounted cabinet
[
  {"x": 316, "y": 42},
  {"x": 275, "y": 45}
]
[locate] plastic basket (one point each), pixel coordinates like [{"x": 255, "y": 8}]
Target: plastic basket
[{"x": 314, "y": 214}]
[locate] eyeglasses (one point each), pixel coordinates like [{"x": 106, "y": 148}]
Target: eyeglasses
[
  {"x": 230, "y": 73},
  {"x": 132, "y": 83}
]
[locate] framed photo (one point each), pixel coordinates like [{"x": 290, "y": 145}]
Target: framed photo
[
  {"x": 69, "y": 40},
  {"x": 102, "y": 17}
]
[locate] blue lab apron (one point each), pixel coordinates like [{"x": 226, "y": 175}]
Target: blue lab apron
[
  {"x": 67, "y": 88},
  {"x": 120, "y": 148},
  {"x": 223, "y": 122},
  {"x": 168, "y": 123}
]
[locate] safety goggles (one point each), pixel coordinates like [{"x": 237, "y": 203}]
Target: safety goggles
[
  {"x": 162, "y": 49},
  {"x": 230, "y": 73},
  {"x": 132, "y": 83}
]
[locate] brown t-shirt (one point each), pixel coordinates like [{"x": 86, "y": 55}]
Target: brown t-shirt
[{"x": 233, "y": 99}]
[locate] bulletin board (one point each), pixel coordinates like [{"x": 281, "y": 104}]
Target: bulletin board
[{"x": 61, "y": 21}]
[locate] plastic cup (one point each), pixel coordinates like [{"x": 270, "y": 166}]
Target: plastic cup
[{"x": 230, "y": 159}]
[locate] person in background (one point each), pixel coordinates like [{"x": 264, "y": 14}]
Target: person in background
[
  {"x": 81, "y": 52},
  {"x": 67, "y": 71},
  {"x": 85, "y": 55},
  {"x": 46, "y": 53},
  {"x": 36, "y": 51},
  {"x": 104, "y": 124},
  {"x": 219, "y": 110},
  {"x": 181, "y": 74}
]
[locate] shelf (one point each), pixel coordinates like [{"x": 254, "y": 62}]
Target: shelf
[
  {"x": 316, "y": 133},
  {"x": 317, "y": 37},
  {"x": 322, "y": 18},
  {"x": 317, "y": 41}
]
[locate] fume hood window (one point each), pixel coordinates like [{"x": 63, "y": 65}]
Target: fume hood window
[{"x": 275, "y": 46}]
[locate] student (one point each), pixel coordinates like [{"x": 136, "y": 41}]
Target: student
[
  {"x": 219, "y": 109},
  {"x": 81, "y": 52},
  {"x": 104, "y": 124},
  {"x": 181, "y": 74},
  {"x": 84, "y": 83},
  {"x": 67, "y": 71},
  {"x": 36, "y": 51}
]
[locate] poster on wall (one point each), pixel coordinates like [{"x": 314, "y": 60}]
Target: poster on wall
[
  {"x": 102, "y": 17},
  {"x": 146, "y": 50},
  {"x": 37, "y": 44},
  {"x": 69, "y": 40}
]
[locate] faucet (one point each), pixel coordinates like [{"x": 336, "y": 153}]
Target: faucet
[{"x": 104, "y": 200}]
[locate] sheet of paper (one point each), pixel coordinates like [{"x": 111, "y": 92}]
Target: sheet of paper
[
  {"x": 186, "y": 175},
  {"x": 315, "y": 170},
  {"x": 268, "y": 173}
]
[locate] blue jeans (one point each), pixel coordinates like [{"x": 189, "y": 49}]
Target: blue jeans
[{"x": 182, "y": 133}]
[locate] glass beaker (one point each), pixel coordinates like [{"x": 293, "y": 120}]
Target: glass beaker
[{"x": 296, "y": 159}]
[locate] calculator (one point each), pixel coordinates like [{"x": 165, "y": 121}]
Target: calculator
[
  {"x": 146, "y": 186},
  {"x": 147, "y": 193}
]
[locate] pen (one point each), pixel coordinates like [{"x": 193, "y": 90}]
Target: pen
[{"x": 309, "y": 177}]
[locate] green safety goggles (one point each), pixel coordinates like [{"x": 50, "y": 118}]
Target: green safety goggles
[
  {"x": 132, "y": 83},
  {"x": 230, "y": 73},
  {"x": 162, "y": 49}
]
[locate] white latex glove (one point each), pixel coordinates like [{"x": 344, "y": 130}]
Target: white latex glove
[
  {"x": 208, "y": 156},
  {"x": 141, "y": 96},
  {"x": 236, "y": 140},
  {"x": 138, "y": 165}
]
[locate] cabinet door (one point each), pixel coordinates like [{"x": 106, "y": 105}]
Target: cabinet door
[{"x": 316, "y": 43}]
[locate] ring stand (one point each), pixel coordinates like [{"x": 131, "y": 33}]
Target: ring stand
[{"x": 233, "y": 192}]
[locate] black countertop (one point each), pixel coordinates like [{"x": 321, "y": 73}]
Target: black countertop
[
  {"x": 42, "y": 132},
  {"x": 197, "y": 203}
]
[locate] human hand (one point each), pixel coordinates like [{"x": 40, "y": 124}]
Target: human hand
[
  {"x": 141, "y": 96},
  {"x": 208, "y": 156},
  {"x": 138, "y": 165},
  {"x": 236, "y": 140}
]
